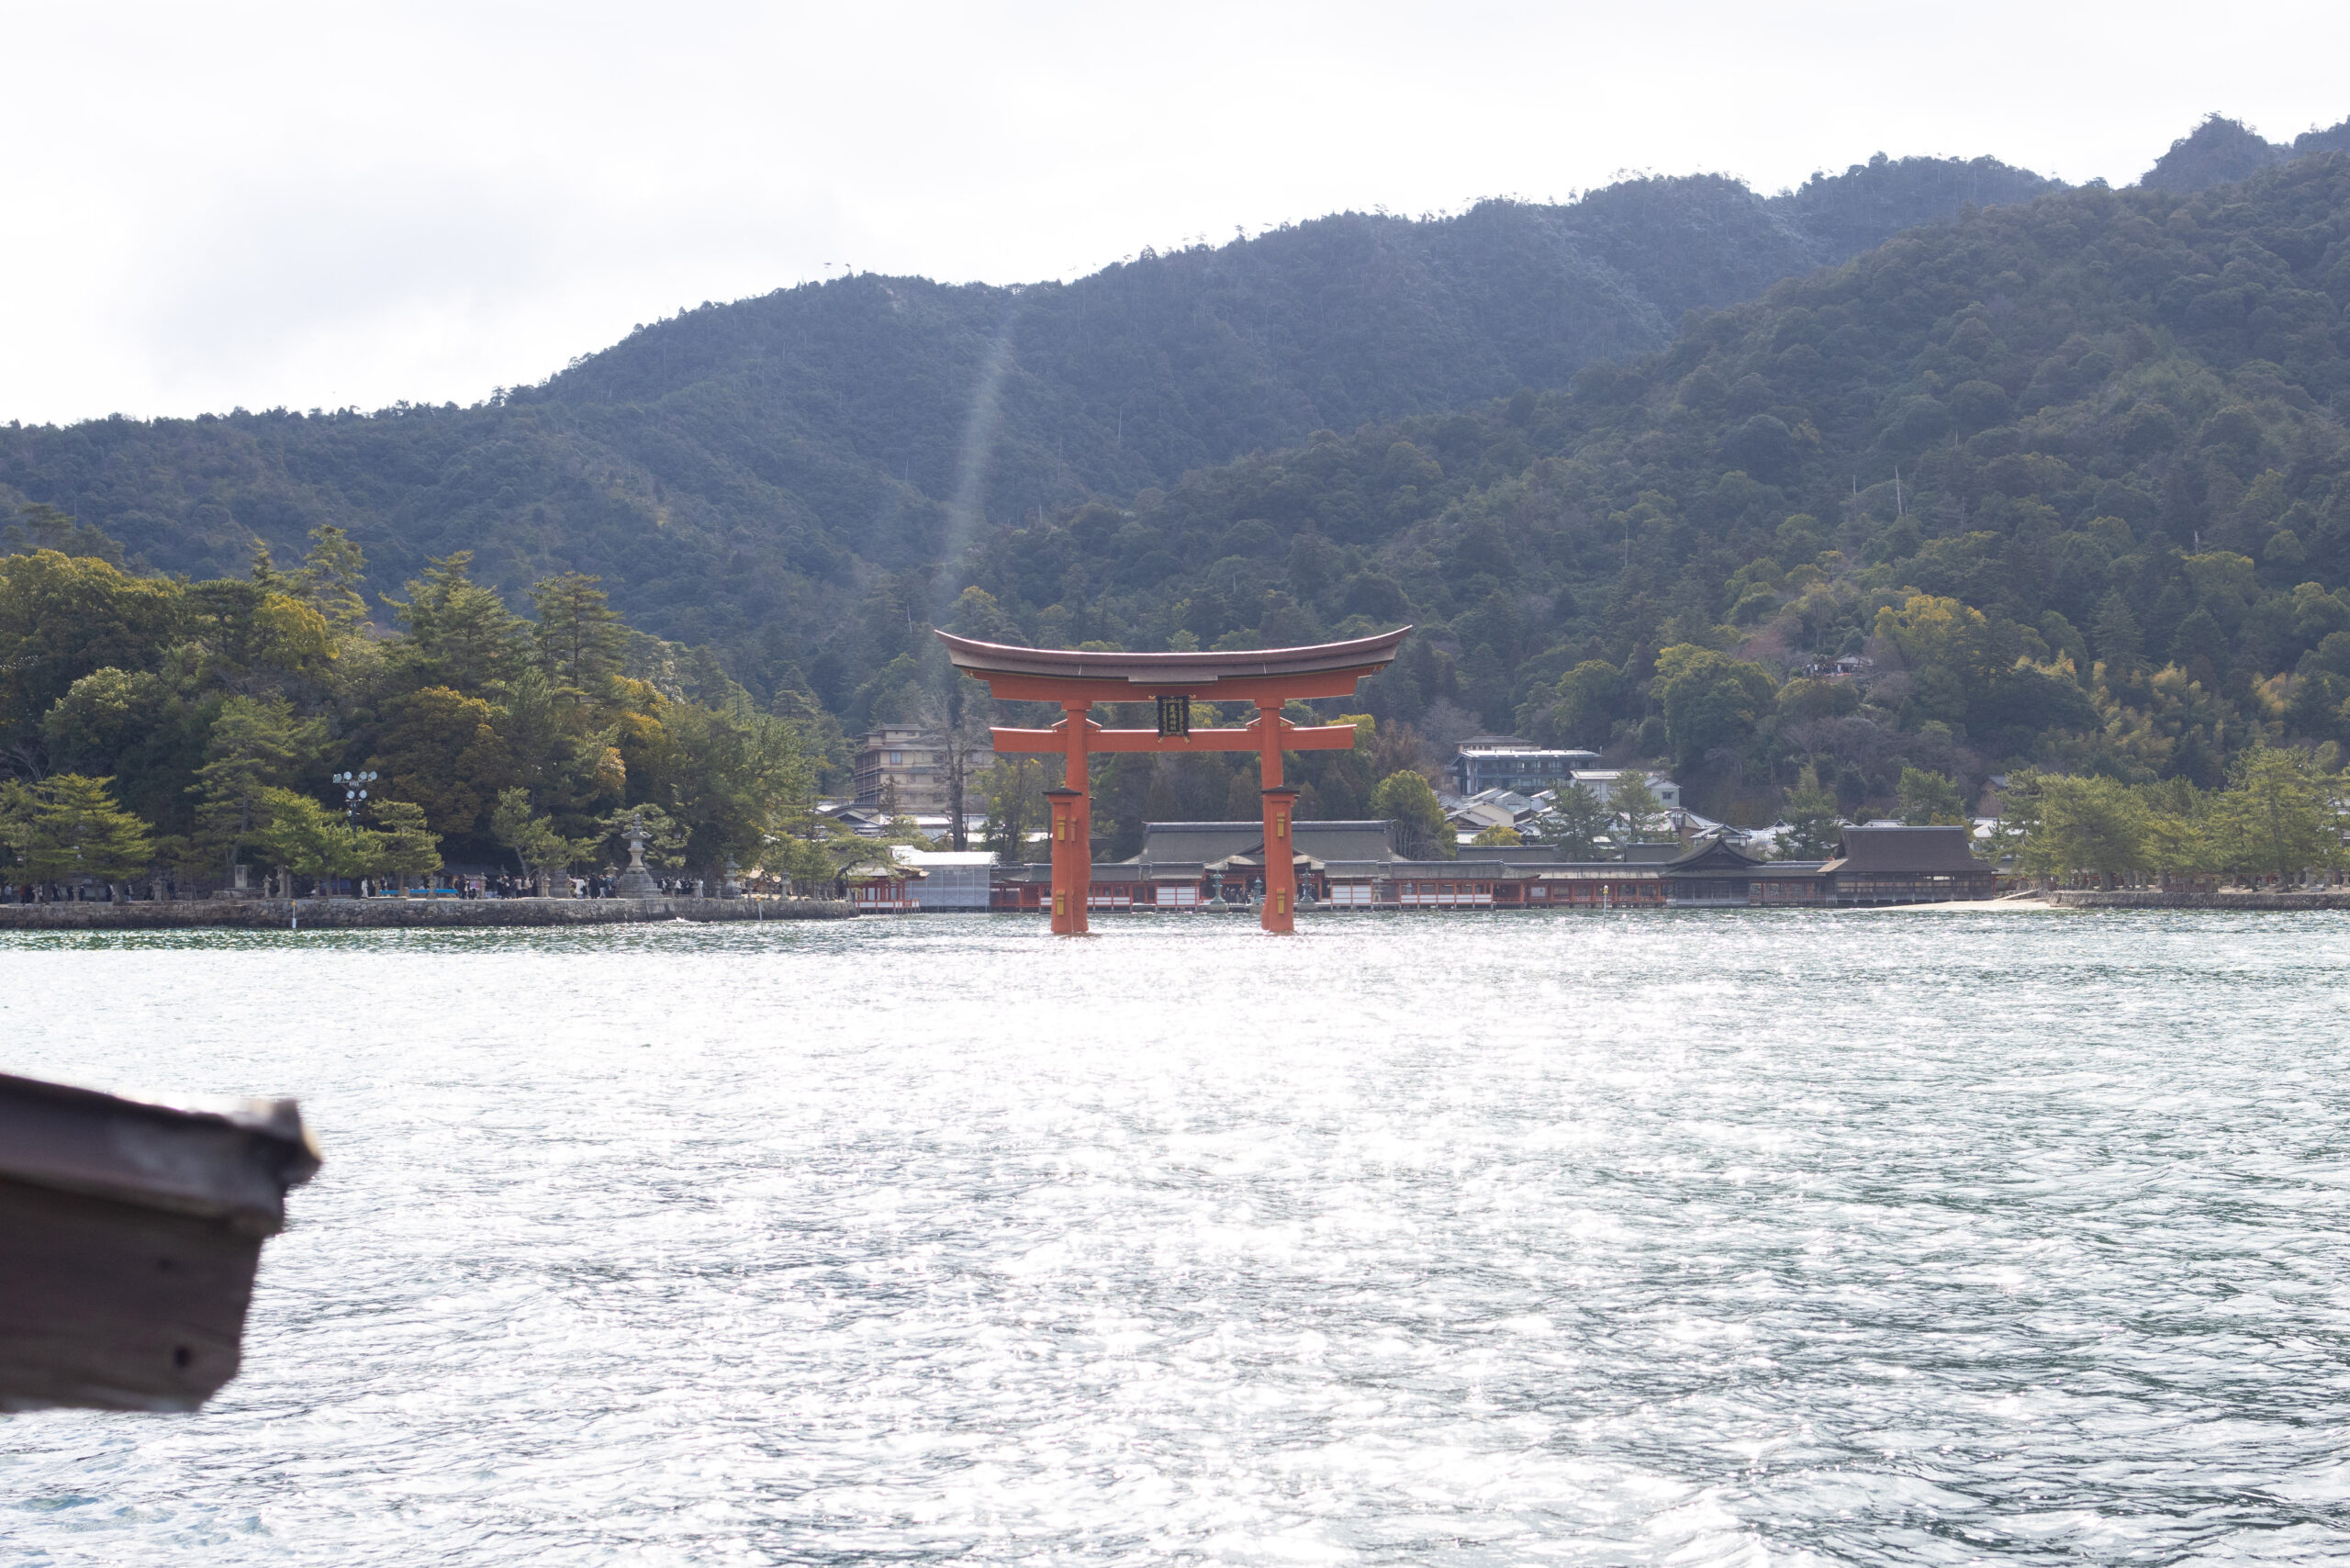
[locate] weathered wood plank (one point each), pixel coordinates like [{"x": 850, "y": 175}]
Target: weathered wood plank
[
  {"x": 129, "y": 1232},
  {"x": 107, "y": 1305}
]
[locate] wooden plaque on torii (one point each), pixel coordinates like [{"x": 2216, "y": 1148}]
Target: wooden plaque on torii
[{"x": 1076, "y": 679}]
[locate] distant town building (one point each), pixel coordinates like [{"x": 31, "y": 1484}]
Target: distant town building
[
  {"x": 866, "y": 822},
  {"x": 941, "y": 828},
  {"x": 1505, "y": 762},
  {"x": 1492, "y": 808},
  {"x": 1602, "y": 783},
  {"x": 951, "y": 878},
  {"x": 905, "y": 768}
]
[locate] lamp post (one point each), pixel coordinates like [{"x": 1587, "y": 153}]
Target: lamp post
[{"x": 354, "y": 790}]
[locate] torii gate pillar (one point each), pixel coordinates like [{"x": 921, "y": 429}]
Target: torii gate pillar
[
  {"x": 1280, "y": 913},
  {"x": 1072, "y": 860},
  {"x": 1074, "y": 680}
]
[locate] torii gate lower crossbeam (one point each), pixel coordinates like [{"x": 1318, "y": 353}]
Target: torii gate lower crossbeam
[{"x": 1076, "y": 679}]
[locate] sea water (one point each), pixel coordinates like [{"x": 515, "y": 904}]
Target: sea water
[{"x": 1455, "y": 1238}]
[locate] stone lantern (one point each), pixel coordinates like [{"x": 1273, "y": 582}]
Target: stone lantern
[{"x": 636, "y": 882}]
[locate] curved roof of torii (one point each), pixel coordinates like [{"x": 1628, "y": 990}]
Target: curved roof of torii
[{"x": 1363, "y": 654}]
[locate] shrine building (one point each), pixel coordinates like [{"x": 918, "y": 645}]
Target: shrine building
[{"x": 1189, "y": 867}]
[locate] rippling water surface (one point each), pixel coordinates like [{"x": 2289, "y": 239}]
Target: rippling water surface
[{"x": 1472, "y": 1239}]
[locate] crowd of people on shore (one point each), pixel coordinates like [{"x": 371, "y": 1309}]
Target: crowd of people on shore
[
  {"x": 59, "y": 892},
  {"x": 497, "y": 886},
  {"x": 608, "y": 888}
]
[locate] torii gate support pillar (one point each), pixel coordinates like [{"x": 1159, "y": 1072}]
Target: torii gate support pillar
[
  {"x": 1280, "y": 913},
  {"x": 1072, "y": 861}
]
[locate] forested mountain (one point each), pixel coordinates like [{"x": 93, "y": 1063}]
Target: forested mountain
[
  {"x": 2074, "y": 473},
  {"x": 2221, "y": 150},
  {"x": 737, "y": 473},
  {"x": 2070, "y": 471}
]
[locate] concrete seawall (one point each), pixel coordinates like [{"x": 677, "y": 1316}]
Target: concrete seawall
[
  {"x": 397, "y": 914},
  {"x": 2233, "y": 898}
]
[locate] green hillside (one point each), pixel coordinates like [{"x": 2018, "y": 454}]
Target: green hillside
[
  {"x": 2073, "y": 473},
  {"x": 737, "y": 473},
  {"x": 2221, "y": 150}
]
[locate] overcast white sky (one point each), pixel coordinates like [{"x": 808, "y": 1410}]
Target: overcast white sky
[{"x": 318, "y": 204}]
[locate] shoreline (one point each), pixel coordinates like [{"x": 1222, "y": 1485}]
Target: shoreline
[
  {"x": 459, "y": 915},
  {"x": 402, "y": 914},
  {"x": 2233, "y": 898},
  {"x": 2006, "y": 905},
  {"x": 2066, "y": 899}
]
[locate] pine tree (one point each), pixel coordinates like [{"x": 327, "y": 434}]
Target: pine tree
[
  {"x": 1574, "y": 826},
  {"x": 265, "y": 572},
  {"x": 460, "y": 635},
  {"x": 1814, "y": 824},
  {"x": 77, "y": 830},
  {"x": 1929, "y": 799},
  {"x": 580, "y": 638},
  {"x": 2279, "y": 815},
  {"x": 331, "y": 576},
  {"x": 298, "y": 835},
  {"x": 255, "y": 745},
  {"x": 2115, "y": 632},
  {"x": 411, "y": 847},
  {"x": 2080, "y": 824},
  {"x": 542, "y": 851},
  {"x": 1636, "y": 807},
  {"x": 16, "y": 807}
]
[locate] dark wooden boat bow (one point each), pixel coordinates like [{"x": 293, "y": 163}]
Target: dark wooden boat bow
[{"x": 129, "y": 1232}]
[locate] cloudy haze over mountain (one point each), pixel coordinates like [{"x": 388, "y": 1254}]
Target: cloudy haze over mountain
[{"x": 269, "y": 205}]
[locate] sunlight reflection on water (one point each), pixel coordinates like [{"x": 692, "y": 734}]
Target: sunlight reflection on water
[{"x": 1451, "y": 1239}]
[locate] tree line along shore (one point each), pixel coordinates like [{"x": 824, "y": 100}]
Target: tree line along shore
[
  {"x": 181, "y": 734},
  {"x": 186, "y": 732}
]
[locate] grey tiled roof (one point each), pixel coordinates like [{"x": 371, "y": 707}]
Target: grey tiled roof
[
  {"x": 1211, "y": 842},
  {"x": 1904, "y": 849}
]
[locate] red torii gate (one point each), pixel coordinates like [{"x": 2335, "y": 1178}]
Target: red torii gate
[{"x": 1077, "y": 679}]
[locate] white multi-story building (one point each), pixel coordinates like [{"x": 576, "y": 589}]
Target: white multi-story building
[
  {"x": 1603, "y": 781},
  {"x": 1505, "y": 762}
]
